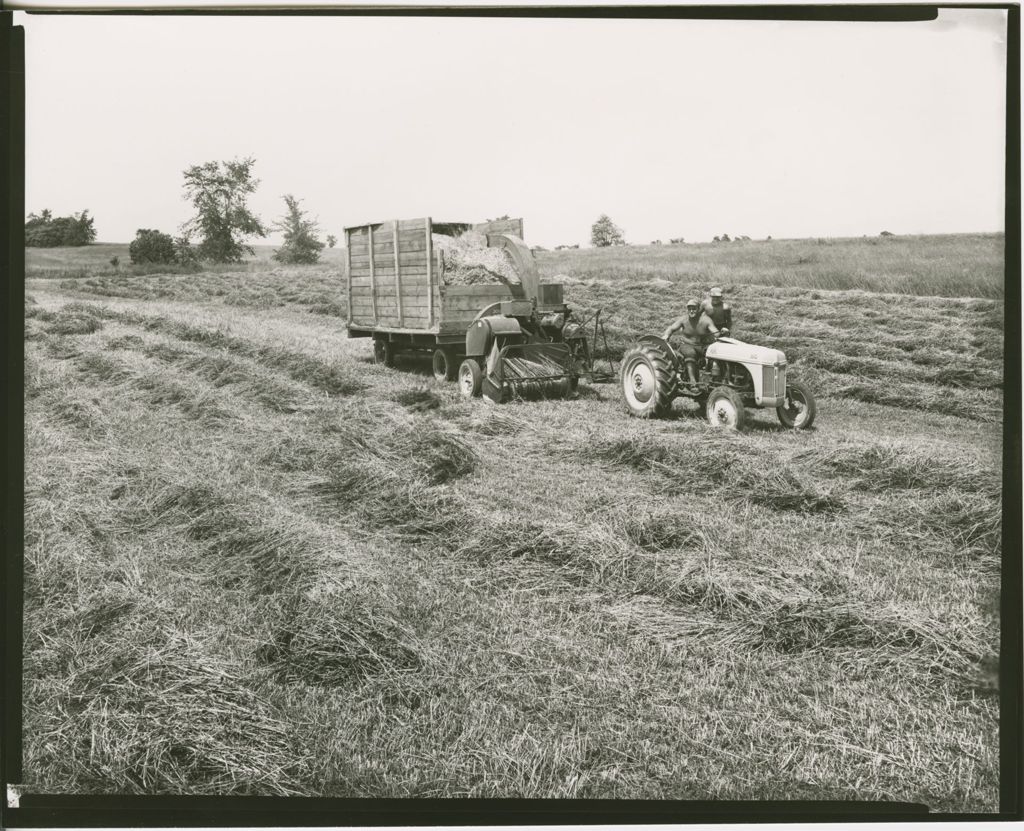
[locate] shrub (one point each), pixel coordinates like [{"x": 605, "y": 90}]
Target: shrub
[
  {"x": 185, "y": 252},
  {"x": 301, "y": 244},
  {"x": 604, "y": 232},
  {"x": 151, "y": 246},
  {"x": 44, "y": 230}
]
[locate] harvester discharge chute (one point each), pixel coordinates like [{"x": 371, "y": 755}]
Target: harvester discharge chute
[{"x": 527, "y": 347}]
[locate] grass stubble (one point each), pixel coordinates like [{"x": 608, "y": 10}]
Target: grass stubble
[{"x": 377, "y": 589}]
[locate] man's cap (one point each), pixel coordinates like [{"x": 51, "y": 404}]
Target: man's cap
[
  {"x": 715, "y": 292},
  {"x": 692, "y": 303}
]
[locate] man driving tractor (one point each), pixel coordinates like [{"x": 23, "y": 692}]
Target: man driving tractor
[{"x": 697, "y": 331}]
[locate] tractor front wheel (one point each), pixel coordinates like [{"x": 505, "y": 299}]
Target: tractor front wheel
[
  {"x": 725, "y": 409},
  {"x": 648, "y": 380},
  {"x": 798, "y": 410},
  {"x": 383, "y": 352},
  {"x": 445, "y": 367},
  {"x": 471, "y": 378}
]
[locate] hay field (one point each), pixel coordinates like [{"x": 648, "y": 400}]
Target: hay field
[{"x": 258, "y": 563}]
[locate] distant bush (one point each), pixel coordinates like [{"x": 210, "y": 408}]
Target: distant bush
[
  {"x": 677, "y": 241},
  {"x": 185, "y": 253},
  {"x": 44, "y": 230},
  {"x": 887, "y": 234},
  {"x": 151, "y": 246},
  {"x": 301, "y": 244},
  {"x": 604, "y": 232}
]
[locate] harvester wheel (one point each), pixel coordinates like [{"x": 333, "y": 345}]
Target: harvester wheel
[
  {"x": 725, "y": 409},
  {"x": 799, "y": 409},
  {"x": 648, "y": 380},
  {"x": 445, "y": 367},
  {"x": 471, "y": 378},
  {"x": 383, "y": 352}
]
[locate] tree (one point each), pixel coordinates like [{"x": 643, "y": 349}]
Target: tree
[
  {"x": 44, "y": 230},
  {"x": 301, "y": 244},
  {"x": 604, "y": 232},
  {"x": 331, "y": 240},
  {"x": 185, "y": 252},
  {"x": 151, "y": 246},
  {"x": 223, "y": 221}
]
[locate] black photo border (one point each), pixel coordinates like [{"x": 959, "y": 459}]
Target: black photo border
[{"x": 62, "y": 810}]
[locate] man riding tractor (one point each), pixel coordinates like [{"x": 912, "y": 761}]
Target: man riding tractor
[
  {"x": 696, "y": 330},
  {"x": 720, "y": 312}
]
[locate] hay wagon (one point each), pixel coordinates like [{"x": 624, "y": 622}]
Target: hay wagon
[{"x": 397, "y": 293}]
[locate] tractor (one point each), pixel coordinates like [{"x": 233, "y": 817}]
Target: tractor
[{"x": 732, "y": 376}]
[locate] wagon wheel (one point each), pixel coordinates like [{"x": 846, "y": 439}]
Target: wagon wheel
[
  {"x": 445, "y": 367},
  {"x": 383, "y": 352}
]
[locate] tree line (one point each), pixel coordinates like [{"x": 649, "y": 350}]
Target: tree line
[
  {"x": 44, "y": 230},
  {"x": 223, "y": 222}
]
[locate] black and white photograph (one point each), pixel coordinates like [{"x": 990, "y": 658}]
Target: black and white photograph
[{"x": 518, "y": 406}]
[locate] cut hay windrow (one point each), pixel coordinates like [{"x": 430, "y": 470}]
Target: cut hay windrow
[
  {"x": 330, "y": 377},
  {"x": 388, "y": 476},
  {"x": 685, "y": 570},
  {"x": 951, "y": 523},
  {"x": 418, "y": 400},
  {"x": 223, "y": 371},
  {"x": 170, "y": 721},
  {"x": 698, "y": 468},
  {"x": 493, "y": 422},
  {"x": 339, "y": 639},
  {"x": 896, "y": 466},
  {"x": 84, "y": 414},
  {"x": 665, "y": 529}
]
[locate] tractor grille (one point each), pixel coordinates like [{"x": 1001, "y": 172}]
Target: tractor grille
[{"x": 773, "y": 381}]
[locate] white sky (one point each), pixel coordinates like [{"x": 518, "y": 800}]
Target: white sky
[{"x": 673, "y": 128}]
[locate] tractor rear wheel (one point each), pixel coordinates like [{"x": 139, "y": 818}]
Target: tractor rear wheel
[
  {"x": 445, "y": 367},
  {"x": 799, "y": 408},
  {"x": 648, "y": 380},
  {"x": 725, "y": 409},
  {"x": 471, "y": 378},
  {"x": 383, "y": 352}
]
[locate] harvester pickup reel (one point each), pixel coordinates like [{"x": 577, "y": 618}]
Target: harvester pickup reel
[
  {"x": 731, "y": 376},
  {"x": 517, "y": 348}
]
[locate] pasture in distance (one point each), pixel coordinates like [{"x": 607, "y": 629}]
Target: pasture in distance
[{"x": 258, "y": 563}]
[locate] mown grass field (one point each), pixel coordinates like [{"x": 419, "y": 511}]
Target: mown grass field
[{"x": 258, "y": 563}]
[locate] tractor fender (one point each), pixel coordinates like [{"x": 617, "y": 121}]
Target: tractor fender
[
  {"x": 481, "y": 334},
  {"x": 661, "y": 343}
]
